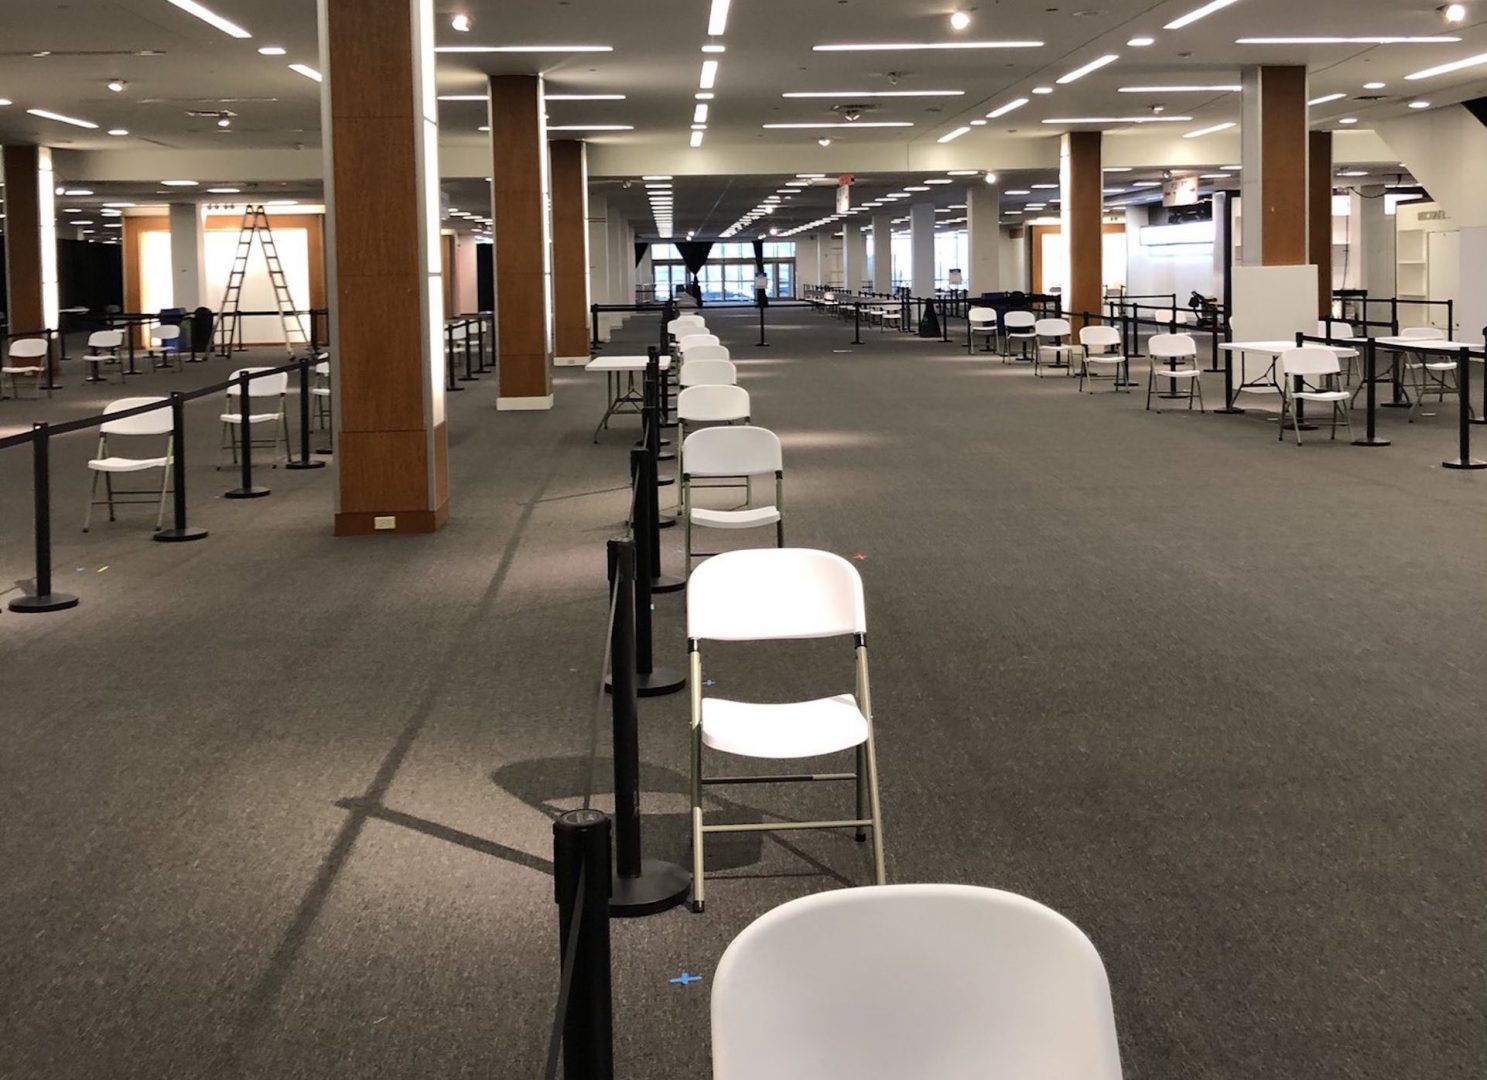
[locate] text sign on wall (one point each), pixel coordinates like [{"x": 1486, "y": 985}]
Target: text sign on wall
[{"x": 1180, "y": 191}]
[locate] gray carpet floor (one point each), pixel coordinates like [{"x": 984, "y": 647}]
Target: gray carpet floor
[{"x": 278, "y": 805}]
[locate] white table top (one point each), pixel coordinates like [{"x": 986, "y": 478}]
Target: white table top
[
  {"x": 624, "y": 363},
  {"x": 1275, "y": 348},
  {"x": 1428, "y": 344}
]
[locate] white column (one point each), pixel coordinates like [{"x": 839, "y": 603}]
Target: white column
[
  {"x": 807, "y": 263},
  {"x": 882, "y": 253},
  {"x": 984, "y": 237},
  {"x": 854, "y": 255},
  {"x": 620, "y": 254},
  {"x": 599, "y": 263},
  {"x": 922, "y": 240},
  {"x": 1375, "y": 241},
  {"x": 187, "y": 256}
]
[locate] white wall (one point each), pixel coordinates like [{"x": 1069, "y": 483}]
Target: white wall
[
  {"x": 1180, "y": 269},
  {"x": 1013, "y": 255},
  {"x": 466, "y": 276}
]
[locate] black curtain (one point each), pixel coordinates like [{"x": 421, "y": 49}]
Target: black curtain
[
  {"x": 485, "y": 276},
  {"x": 761, "y": 296},
  {"x": 694, "y": 255},
  {"x": 90, "y": 275},
  {"x": 641, "y": 247}
]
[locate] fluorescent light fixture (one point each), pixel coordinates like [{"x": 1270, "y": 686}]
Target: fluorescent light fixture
[
  {"x": 1231, "y": 168},
  {"x": 1385, "y": 40},
  {"x": 1352, "y": 172},
  {"x": 704, "y": 96},
  {"x": 1017, "y": 191},
  {"x": 852, "y": 124},
  {"x": 657, "y": 177},
  {"x": 223, "y": 190},
  {"x": 1146, "y": 183},
  {"x": 1326, "y": 98},
  {"x": 978, "y": 122},
  {"x": 1119, "y": 120},
  {"x": 1198, "y": 13},
  {"x": 717, "y": 19},
  {"x": 702, "y": 127},
  {"x": 591, "y": 127},
  {"x": 1044, "y": 187},
  {"x": 951, "y": 136},
  {"x": 699, "y": 114},
  {"x": 855, "y": 94},
  {"x": 940, "y": 180},
  {"x": 77, "y": 192},
  {"x": 1209, "y": 130},
  {"x": 307, "y": 71},
  {"x": 1348, "y": 120},
  {"x": 709, "y": 74},
  {"x": 6, "y": 101},
  {"x": 1419, "y": 104},
  {"x": 47, "y": 114},
  {"x": 696, "y": 139},
  {"x": 191, "y": 7},
  {"x": 908, "y": 46},
  {"x": 1141, "y": 42},
  {"x": 1116, "y": 168},
  {"x": 565, "y": 97},
  {"x": 1213, "y": 89},
  {"x": 118, "y": 131},
  {"x": 1003, "y": 110},
  {"x": 461, "y": 23},
  {"x": 271, "y": 50},
  {"x": 916, "y": 188},
  {"x": 964, "y": 172},
  {"x": 1094, "y": 65},
  {"x": 178, "y": 183},
  {"x": 1042, "y": 89},
  {"x": 524, "y": 49},
  {"x": 1374, "y": 85},
  {"x": 713, "y": 47},
  {"x": 81, "y": 221},
  {"x": 1454, "y": 65}
]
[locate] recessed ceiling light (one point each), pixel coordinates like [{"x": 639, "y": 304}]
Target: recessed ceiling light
[
  {"x": 1352, "y": 172},
  {"x": 82, "y": 221},
  {"x": 978, "y": 122},
  {"x": 714, "y": 48},
  {"x": 1045, "y": 187},
  {"x": 850, "y": 124},
  {"x": 959, "y": 20},
  {"x": 1017, "y": 191},
  {"x": 1198, "y": 13},
  {"x": 1231, "y": 168},
  {"x": 709, "y": 74},
  {"x": 908, "y": 46},
  {"x": 116, "y": 85},
  {"x": 591, "y": 127},
  {"x": 1347, "y": 41},
  {"x": 1146, "y": 183},
  {"x": 1374, "y": 85},
  {"x": 1348, "y": 120},
  {"x": 696, "y": 139},
  {"x": 1003, "y": 110},
  {"x": 952, "y": 136},
  {"x": 1116, "y": 168},
  {"x": 272, "y": 50},
  {"x": 717, "y": 18},
  {"x": 961, "y": 172},
  {"x": 118, "y": 131},
  {"x": 462, "y": 23},
  {"x": 704, "y": 96},
  {"x": 916, "y": 188},
  {"x": 1454, "y": 13},
  {"x": 1194, "y": 89},
  {"x": 223, "y": 190},
  {"x": 77, "y": 193},
  {"x": 5, "y": 101},
  {"x": 191, "y": 7},
  {"x": 307, "y": 71},
  {"x": 1209, "y": 130},
  {"x": 942, "y": 180},
  {"x": 1419, "y": 104},
  {"x": 572, "y": 97},
  {"x": 47, "y": 114},
  {"x": 699, "y": 114},
  {"x": 1443, "y": 69},
  {"x": 1141, "y": 42},
  {"x": 1042, "y": 89},
  {"x": 656, "y": 177},
  {"x": 1093, "y": 65},
  {"x": 524, "y": 49},
  {"x": 178, "y": 183}
]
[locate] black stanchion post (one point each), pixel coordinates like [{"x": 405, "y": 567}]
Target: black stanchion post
[
  {"x": 649, "y": 681},
  {"x": 464, "y": 329},
  {"x": 761, "y": 343},
  {"x": 245, "y": 489},
  {"x": 650, "y": 407},
  {"x": 946, "y": 307},
  {"x": 856, "y": 322},
  {"x": 43, "y": 599},
  {"x": 594, "y": 324},
  {"x": 1463, "y": 458},
  {"x": 179, "y": 531},
  {"x": 451, "y": 385},
  {"x": 1481, "y": 417},
  {"x": 304, "y": 461},
  {"x": 1370, "y": 386},
  {"x": 580, "y": 855}
]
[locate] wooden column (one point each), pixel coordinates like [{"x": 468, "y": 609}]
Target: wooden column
[
  {"x": 1274, "y": 205},
  {"x": 570, "y": 253},
  {"x": 1082, "y": 204},
  {"x": 519, "y": 187},
  {"x": 30, "y": 238},
  {"x": 387, "y": 317},
  {"x": 1319, "y": 216}
]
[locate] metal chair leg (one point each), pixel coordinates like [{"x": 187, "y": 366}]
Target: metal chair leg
[{"x": 92, "y": 498}]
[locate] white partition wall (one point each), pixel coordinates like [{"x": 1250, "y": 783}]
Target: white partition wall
[{"x": 1271, "y": 303}]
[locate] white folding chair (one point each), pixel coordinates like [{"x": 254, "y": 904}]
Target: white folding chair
[
  {"x": 707, "y": 352},
  {"x": 708, "y": 373},
  {"x": 1178, "y": 356},
  {"x": 320, "y": 392},
  {"x": 686, "y": 324},
  {"x": 1304, "y": 365},
  {"x": 21, "y": 363},
  {"x": 933, "y": 982},
  {"x": 1053, "y": 338},
  {"x": 691, "y": 341},
  {"x": 1101, "y": 345},
  {"x": 707, "y": 404},
  {"x": 103, "y": 348},
  {"x": 1425, "y": 372},
  {"x": 1021, "y": 327},
  {"x": 983, "y": 322},
  {"x": 737, "y": 454},
  {"x": 161, "y": 338},
  {"x": 264, "y": 387},
  {"x": 779, "y": 595},
  {"x": 1340, "y": 332},
  {"x": 156, "y": 422}
]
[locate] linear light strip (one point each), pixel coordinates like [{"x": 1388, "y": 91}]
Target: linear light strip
[
  {"x": 854, "y": 94},
  {"x": 1209, "y": 130},
  {"x": 1003, "y": 110},
  {"x": 717, "y": 19},
  {"x": 47, "y": 114},
  {"x": 1454, "y": 65},
  {"x": 1119, "y": 120},
  {"x": 524, "y": 49},
  {"x": 1093, "y": 65},
  {"x": 852, "y": 124},
  {"x": 904, "y": 46},
  {"x": 206, "y": 15},
  {"x": 1346, "y": 41},
  {"x": 952, "y": 136},
  {"x": 1223, "y": 89},
  {"x": 307, "y": 71},
  {"x": 1198, "y": 13}
]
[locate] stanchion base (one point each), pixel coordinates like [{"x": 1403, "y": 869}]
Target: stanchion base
[
  {"x": 668, "y": 583},
  {"x": 30, "y": 605},
  {"x": 1228, "y": 410},
  {"x": 180, "y": 536},
  {"x": 666, "y": 455},
  {"x": 453, "y": 389},
  {"x": 761, "y": 344},
  {"x": 1394, "y": 404},
  {"x": 327, "y": 451},
  {"x": 665, "y": 521},
  {"x": 246, "y": 493},
  {"x": 1469, "y": 463},
  {"x": 1375, "y": 441},
  {"x": 665, "y": 481},
  {"x": 660, "y": 887},
  {"x": 305, "y": 465},
  {"x": 660, "y": 682}
]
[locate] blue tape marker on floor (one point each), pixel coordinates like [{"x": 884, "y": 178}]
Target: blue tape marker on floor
[
  {"x": 709, "y": 682},
  {"x": 685, "y": 979}
]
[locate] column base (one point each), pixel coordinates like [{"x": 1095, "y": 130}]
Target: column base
[
  {"x": 570, "y": 361},
  {"x": 524, "y": 404},
  {"x": 404, "y": 521}
]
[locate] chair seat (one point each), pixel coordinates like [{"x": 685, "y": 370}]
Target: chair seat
[
  {"x": 1177, "y": 373},
  {"x": 320, "y": 391},
  {"x": 751, "y": 518},
  {"x": 1104, "y": 358},
  {"x": 990, "y": 328},
  {"x": 21, "y": 370},
  {"x": 1062, "y": 348},
  {"x": 124, "y": 464},
  {"x": 1021, "y": 334},
  {"x": 253, "y": 418},
  {"x": 1432, "y": 365},
  {"x": 1322, "y": 395},
  {"x": 793, "y": 730}
]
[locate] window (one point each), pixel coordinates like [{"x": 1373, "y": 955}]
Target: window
[{"x": 728, "y": 274}]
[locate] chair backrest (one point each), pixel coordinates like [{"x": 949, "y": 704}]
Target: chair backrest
[
  {"x": 154, "y": 422},
  {"x": 1056, "y": 328},
  {"x": 28, "y": 348},
  {"x": 707, "y": 352},
  {"x": 689, "y": 341},
  {"x": 732, "y": 451},
  {"x": 1309, "y": 360},
  {"x": 1336, "y": 329},
  {"x": 712, "y": 404},
  {"x": 926, "y": 981},
  {"x": 1423, "y": 333},
  {"x": 263, "y": 386},
  {"x": 1019, "y": 320},
  {"x": 766, "y": 594},
  {"x": 1166, "y": 346},
  {"x": 105, "y": 339},
  {"x": 1099, "y": 337},
  {"x": 323, "y": 369},
  {"x": 684, "y": 322},
  {"x": 708, "y": 373},
  {"x": 982, "y": 316},
  {"x": 165, "y": 333}
]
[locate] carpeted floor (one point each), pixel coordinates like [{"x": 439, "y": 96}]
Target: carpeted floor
[{"x": 278, "y": 805}]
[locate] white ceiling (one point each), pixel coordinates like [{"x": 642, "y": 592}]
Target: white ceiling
[{"x": 655, "y": 63}]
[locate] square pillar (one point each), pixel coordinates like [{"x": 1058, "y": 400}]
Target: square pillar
[
  {"x": 922, "y": 244},
  {"x": 599, "y": 290},
  {"x": 1375, "y": 241},
  {"x": 1319, "y": 215},
  {"x": 187, "y": 256},
  {"x": 30, "y": 238},
  {"x": 380, "y": 120},
  {"x": 854, "y": 255},
  {"x": 1082, "y": 203},
  {"x": 883, "y": 253},
  {"x": 570, "y": 253},
  {"x": 984, "y": 238},
  {"x": 1273, "y": 210},
  {"x": 519, "y": 202}
]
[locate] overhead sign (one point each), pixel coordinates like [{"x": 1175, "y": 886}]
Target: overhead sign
[
  {"x": 844, "y": 194},
  {"x": 1180, "y": 191},
  {"x": 957, "y": 278}
]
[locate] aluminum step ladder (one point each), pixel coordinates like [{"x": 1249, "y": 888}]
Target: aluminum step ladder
[{"x": 230, "y": 314}]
